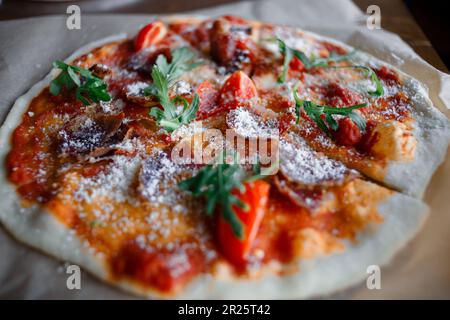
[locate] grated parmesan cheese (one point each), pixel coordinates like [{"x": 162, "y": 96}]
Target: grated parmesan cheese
[
  {"x": 250, "y": 125},
  {"x": 182, "y": 88},
  {"x": 136, "y": 88},
  {"x": 114, "y": 183},
  {"x": 158, "y": 180},
  {"x": 304, "y": 165}
]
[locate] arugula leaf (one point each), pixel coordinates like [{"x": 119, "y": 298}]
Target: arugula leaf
[
  {"x": 168, "y": 118},
  {"x": 164, "y": 75},
  {"x": 288, "y": 56},
  {"x": 358, "y": 120},
  {"x": 216, "y": 182},
  {"x": 290, "y": 53},
  {"x": 89, "y": 88},
  {"x": 379, "y": 91},
  {"x": 315, "y": 112},
  {"x": 181, "y": 62}
]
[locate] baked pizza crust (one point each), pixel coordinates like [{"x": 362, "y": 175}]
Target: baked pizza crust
[
  {"x": 431, "y": 129},
  {"x": 403, "y": 217}
]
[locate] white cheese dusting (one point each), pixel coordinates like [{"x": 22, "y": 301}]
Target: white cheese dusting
[
  {"x": 302, "y": 164},
  {"x": 247, "y": 124}
]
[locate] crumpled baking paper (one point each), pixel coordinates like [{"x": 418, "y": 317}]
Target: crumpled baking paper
[{"x": 29, "y": 46}]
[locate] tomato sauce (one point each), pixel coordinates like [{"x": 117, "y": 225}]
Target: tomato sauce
[
  {"x": 284, "y": 221},
  {"x": 160, "y": 268}
]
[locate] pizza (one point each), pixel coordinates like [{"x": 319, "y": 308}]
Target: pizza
[{"x": 221, "y": 158}]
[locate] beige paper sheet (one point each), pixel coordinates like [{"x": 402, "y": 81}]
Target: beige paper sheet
[{"x": 28, "y": 47}]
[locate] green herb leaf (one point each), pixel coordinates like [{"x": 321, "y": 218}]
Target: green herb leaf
[
  {"x": 368, "y": 72},
  {"x": 358, "y": 120},
  {"x": 332, "y": 122},
  {"x": 190, "y": 112},
  {"x": 379, "y": 91},
  {"x": 289, "y": 53},
  {"x": 90, "y": 89},
  {"x": 315, "y": 112},
  {"x": 216, "y": 182},
  {"x": 164, "y": 76}
]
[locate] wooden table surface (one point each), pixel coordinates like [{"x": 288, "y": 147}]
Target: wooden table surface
[{"x": 395, "y": 15}]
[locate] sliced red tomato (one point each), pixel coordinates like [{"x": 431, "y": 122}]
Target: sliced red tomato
[
  {"x": 296, "y": 65},
  {"x": 236, "y": 250},
  {"x": 296, "y": 69},
  {"x": 236, "y": 91},
  {"x": 348, "y": 133},
  {"x": 150, "y": 35},
  {"x": 208, "y": 96}
]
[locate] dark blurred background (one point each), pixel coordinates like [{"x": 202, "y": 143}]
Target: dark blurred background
[
  {"x": 433, "y": 18},
  {"x": 423, "y": 24}
]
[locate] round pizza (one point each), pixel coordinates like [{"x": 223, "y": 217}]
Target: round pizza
[{"x": 220, "y": 158}]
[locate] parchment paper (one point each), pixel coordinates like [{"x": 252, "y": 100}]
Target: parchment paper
[{"x": 29, "y": 46}]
